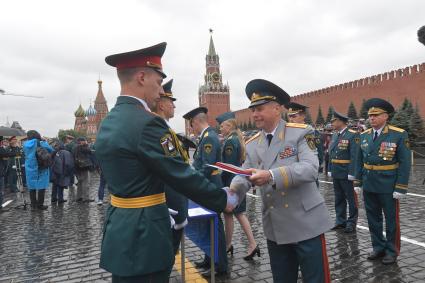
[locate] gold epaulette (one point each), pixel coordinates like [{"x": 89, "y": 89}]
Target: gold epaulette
[
  {"x": 352, "y": 131},
  {"x": 206, "y": 135},
  {"x": 253, "y": 138},
  {"x": 395, "y": 129},
  {"x": 296, "y": 125},
  {"x": 367, "y": 131}
]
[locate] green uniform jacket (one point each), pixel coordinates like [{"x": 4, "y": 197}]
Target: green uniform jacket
[
  {"x": 175, "y": 200},
  {"x": 208, "y": 152},
  {"x": 344, "y": 147},
  {"x": 390, "y": 148},
  {"x": 231, "y": 154},
  {"x": 137, "y": 154}
]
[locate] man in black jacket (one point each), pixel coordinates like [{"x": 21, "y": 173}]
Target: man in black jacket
[
  {"x": 83, "y": 165},
  {"x": 4, "y": 157}
]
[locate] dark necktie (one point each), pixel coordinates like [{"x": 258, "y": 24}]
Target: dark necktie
[
  {"x": 269, "y": 138},
  {"x": 375, "y": 136}
]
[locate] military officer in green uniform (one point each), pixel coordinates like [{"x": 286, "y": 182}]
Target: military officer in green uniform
[
  {"x": 382, "y": 172},
  {"x": 176, "y": 202},
  {"x": 342, "y": 156},
  {"x": 284, "y": 163},
  {"x": 207, "y": 152},
  {"x": 296, "y": 114},
  {"x": 138, "y": 154}
]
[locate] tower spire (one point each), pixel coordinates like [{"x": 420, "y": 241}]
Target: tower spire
[{"x": 211, "y": 49}]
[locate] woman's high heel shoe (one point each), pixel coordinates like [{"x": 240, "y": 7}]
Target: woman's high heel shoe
[
  {"x": 256, "y": 251},
  {"x": 230, "y": 250}
]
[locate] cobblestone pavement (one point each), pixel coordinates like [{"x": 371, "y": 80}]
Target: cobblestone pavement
[{"x": 62, "y": 244}]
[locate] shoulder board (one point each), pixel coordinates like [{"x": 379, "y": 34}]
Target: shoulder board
[
  {"x": 253, "y": 138},
  {"x": 367, "y": 131},
  {"x": 352, "y": 131},
  {"x": 395, "y": 129},
  {"x": 206, "y": 134},
  {"x": 296, "y": 125}
]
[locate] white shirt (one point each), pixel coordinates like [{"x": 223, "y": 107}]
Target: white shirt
[
  {"x": 340, "y": 132},
  {"x": 379, "y": 131},
  {"x": 141, "y": 101},
  {"x": 273, "y": 132}
]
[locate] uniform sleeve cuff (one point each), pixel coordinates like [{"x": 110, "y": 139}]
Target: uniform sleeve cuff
[{"x": 400, "y": 188}]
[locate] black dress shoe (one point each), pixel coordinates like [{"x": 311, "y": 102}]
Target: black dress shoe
[
  {"x": 338, "y": 226},
  {"x": 62, "y": 201},
  {"x": 256, "y": 251},
  {"x": 79, "y": 200},
  {"x": 230, "y": 250},
  {"x": 375, "y": 255},
  {"x": 389, "y": 259},
  {"x": 53, "y": 201},
  {"x": 42, "y": 207},
  {"x": 219, "y": 274},
  {"x": 202, "y": 264},
  {"x": 349, "y": 229}
]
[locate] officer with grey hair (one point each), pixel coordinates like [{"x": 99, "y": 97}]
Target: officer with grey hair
[{"x": 283, "y": 161}]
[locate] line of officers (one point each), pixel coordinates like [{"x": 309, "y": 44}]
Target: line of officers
[{"x": 148, "y": 171}]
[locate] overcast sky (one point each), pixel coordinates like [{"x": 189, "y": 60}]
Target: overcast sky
[{"x": 56, "y": 49}]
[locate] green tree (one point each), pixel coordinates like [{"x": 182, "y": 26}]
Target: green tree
[
  {"x": 285, "y": 116},
  {"x": 330, "y": 114},
  {"x": 308, "y": 119},
  {"x": 417, "y": 128},
  {"x": 363, "y": 110},
  {"x": 352, "y": 112},
  {"x": 63, "y": 133},
  {"x": 250, "y": 125},
  {"x": 401, "y": 118},
  {"x": 320, "y": 120}
]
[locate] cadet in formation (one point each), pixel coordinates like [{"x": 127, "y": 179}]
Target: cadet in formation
[
  {"x": 208, "y": 151},
  {"x": 176, "y": 202},
  {"x": 342, "y": 156},
  {"x": 283, "y": 158},
  {"x": 233, "y": 152},
  {"x": 138, "y": 155},
  {"x": 382, "y": 172}
]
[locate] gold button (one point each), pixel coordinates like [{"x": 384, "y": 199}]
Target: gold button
[
  {"x": 286, "y": 205},
  {"x": 283, "y": 193},
  {"x": 271, "y": 206},
  {"x": 268, "y": 195}
]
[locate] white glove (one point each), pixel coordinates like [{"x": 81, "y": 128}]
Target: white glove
[
  {"x": 181, "y": 225},
  {"x": 351, "y": 178},
  {"x": 172, "y": 212},
  {"x": 329, "y": 174},
  {"x": 397, "y": 195},
  {"x": 358, "y": 190}
]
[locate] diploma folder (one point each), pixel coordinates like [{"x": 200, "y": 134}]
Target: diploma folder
[{"x": 231, "y": 168}]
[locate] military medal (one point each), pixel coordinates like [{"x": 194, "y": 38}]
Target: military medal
[{"x": 288, "y": 152}]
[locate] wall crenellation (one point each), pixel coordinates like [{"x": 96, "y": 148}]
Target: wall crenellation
[{"x": 374, "y": 79}]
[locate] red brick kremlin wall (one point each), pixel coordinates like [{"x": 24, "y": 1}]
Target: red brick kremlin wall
[{"x": 393, "y": 86}]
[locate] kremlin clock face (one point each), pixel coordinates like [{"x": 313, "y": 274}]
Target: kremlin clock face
[{"x": 215, "y": 77}]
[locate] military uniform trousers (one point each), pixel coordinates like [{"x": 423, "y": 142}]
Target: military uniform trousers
[
  {"x": 345, "y": 194},
  {"x": 310, "y": 255},
  {"x": 156, "y": 277},
  {"x": 375, "y": 204}
]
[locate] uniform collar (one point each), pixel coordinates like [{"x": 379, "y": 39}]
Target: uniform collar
[
  {"x": 203, "y": 131},
  {"x": 379, "y": 130},
  {"x": 141, "y": 101},
  {"x": 342, "y": 131}
]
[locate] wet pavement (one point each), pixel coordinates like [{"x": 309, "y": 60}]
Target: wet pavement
[{"x": 62, "y": 244}]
